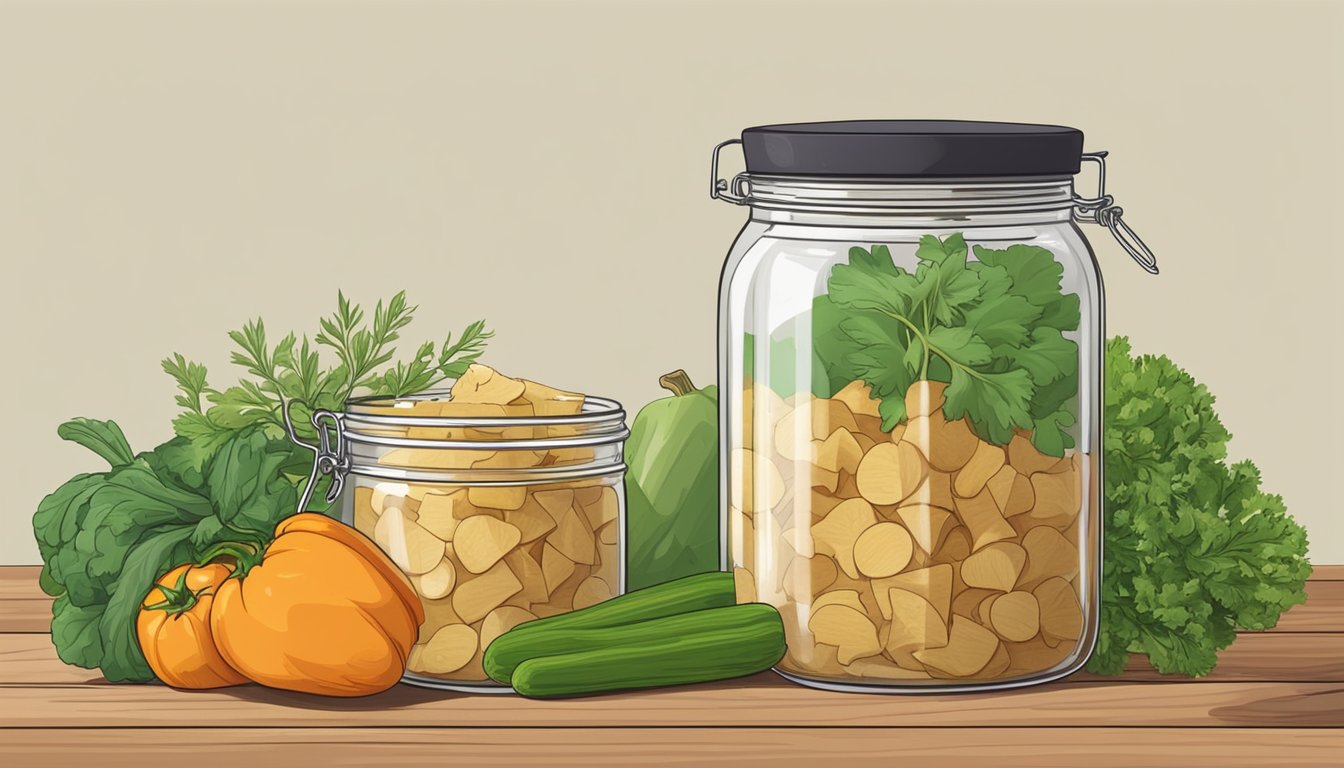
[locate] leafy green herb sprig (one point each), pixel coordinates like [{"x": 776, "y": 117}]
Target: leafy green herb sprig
[
  {"x": 229, "y": 476},
  {"x": 1195, "y": 548},
  {"x": 293, "y": 370},
  {"x": 992, "y": 329}
]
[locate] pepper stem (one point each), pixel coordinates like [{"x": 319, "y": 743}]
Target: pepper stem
[
  {"x": 677, "y": 382},
  {"x": 246, "y": 556},
  {"x": 176, "y": 599}
]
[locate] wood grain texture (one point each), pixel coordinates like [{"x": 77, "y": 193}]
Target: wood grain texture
[
  {"x": 1307, "y": 657},
  {"x": 761, "y": 701},
  {"x": 1327, "y": 573},
  {"x": 676, "y": 747},
  {"x": 1323, "y": 611},
  {"x": 1276, "y": 698},
  {"x": 23, "y": 606}
]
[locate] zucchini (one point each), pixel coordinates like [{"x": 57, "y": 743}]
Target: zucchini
[
  {"x": 699, "y": 647},
  {"x": 544, "y": 637}
]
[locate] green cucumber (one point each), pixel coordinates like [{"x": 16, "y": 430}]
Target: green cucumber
[
  {"x": 698, "y": 647},
  {"x": 539, "y": 638}
]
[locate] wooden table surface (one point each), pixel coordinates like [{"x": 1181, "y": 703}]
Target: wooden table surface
[{"x": 1275, "y": 699}]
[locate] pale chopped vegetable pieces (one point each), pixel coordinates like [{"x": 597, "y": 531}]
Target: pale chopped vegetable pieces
[
  {"x": 983, "y": 520},
  {"x": 1061, "y": 615},
  {"x": 447, "y": 651},
  {"x": 591, "y": 591},
  {"x": 933, "y": 584},
  {"x": 858, "y": 398},
  {"x": 1016, "y": 616},
  {"x": 763, "y": 485},
  {"x": 882, "y": 550},
  {"x": 482, "y": 541},
  {"x": 532, "y": 520},
  {"x": 890, "y": 472},
  {"x": 438, "y": 581},
  {"x": 927, "y": 524},
  {"x": 744, "y": 586},
  {"x": 839, "y": 531},
  {"x": 846, "y": 628},
  {"x": 948, "y": 444},
  {"x": 555, "y": 567},
  {"x": 923, "y": 398},
  {"x": 1049, "y": 553},
  {"x": 995, "y": 567},
  {"x": 915, "y": 625},
  {"x": 497, "y": 496},
  {"x": 475, "y": 598},
  {"x": 922, "y": 554},
  {"x": 439, "y": 513},
  {"x": 969, "y": 648},
  {"x": 485, "y": 385},
  {"x": 485, "y": 555},
  {"x": 983, "y": 464}
]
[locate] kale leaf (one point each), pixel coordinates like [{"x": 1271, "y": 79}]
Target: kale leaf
[{"x": 105, "y": 537}]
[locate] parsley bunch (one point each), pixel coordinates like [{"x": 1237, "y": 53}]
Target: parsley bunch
[
  {"x": 1194, "y": 549},
  {"x": 992, "y": 329}
]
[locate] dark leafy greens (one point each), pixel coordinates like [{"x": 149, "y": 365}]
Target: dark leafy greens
[
  {"x": 230, "y": 474},
  {"x": 1195, "y": 550},
  {"x": 105, "y": 537}
]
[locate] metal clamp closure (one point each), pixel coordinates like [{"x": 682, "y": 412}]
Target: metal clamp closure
[
  {"x": 330, "y": 456},
  {"x": 1103, "y": 210},
  {"x": 735, "y": 191}
]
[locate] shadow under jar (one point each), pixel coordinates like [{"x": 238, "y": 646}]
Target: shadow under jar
[
  {"x": 911, "y": 366},
  {"x": 495, "y": 520}
]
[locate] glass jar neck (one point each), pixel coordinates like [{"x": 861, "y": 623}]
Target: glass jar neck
[{"x": 902, "y": 203}]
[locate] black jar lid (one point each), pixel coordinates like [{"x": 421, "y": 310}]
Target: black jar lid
[{"x": 912, "y": 149}]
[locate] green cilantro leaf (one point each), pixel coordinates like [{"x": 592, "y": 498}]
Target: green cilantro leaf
[
  {"x": 1032, "y": 271},
  {"x": 871, "y": 281},
  {"x": 992, "y": 329},
  {"x": 1048, "y": 356},
  {"x": 994, "y": 402}
]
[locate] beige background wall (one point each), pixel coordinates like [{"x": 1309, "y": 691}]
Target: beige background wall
[{"x": 168, "y": 170}]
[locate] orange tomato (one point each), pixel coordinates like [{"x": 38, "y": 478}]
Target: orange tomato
[
  {"x": 173, "y": 628},
  {"x": 324, "y": 611}
]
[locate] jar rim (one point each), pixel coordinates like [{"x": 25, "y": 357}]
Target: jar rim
[
  {"x": 600, "y": 421},
  {"x": 595, "y": 411},
  {"x": 903, "y": 197}
]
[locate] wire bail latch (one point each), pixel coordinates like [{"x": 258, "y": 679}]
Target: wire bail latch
[
  {"x": 1103, "y": 210},
  {"x": 329, "y": 455}
]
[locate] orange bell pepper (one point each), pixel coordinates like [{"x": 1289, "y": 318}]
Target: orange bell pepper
[
  {"x": 322, "y": 610},
  {"x": 173, "y": 628}
]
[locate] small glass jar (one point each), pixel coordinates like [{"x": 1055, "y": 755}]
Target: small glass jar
[
  {"x": 496, "y": 520},
  {"x": 911, "y": 375}
]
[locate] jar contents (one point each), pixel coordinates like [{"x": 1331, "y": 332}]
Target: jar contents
[
  {"x": 922, "y": 521},
  {"x": 485, "y": 557},
  {"x": 920, "y": 553}
]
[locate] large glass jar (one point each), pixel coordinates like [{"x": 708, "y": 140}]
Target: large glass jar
[
  {"x": 910, "y": 366},
  {"x": 496, "y": 519}
]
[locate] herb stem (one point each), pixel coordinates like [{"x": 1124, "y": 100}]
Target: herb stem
[{"x": 924, "y": 339}]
